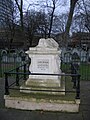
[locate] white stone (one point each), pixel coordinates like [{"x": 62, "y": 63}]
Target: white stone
[
  {"x": 45, "y": 58},
  {"x": 33, "y": 104}
]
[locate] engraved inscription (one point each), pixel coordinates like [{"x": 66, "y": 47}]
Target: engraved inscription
[{"x": 43, "y": 64}]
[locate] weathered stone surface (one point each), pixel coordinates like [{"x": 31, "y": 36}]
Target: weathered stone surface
[
  {"x": 45, "y": 58},
  {"x": 33, "y": 104}
]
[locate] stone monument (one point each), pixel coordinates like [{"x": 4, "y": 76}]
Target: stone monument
[
  {"x": 45, "y": 59},
  {"x": 42, "y": 91}
]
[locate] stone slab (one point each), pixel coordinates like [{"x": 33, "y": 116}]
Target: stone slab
[
  {"x": 25, "y": 104},
  {"x": 44, "y": 86}
]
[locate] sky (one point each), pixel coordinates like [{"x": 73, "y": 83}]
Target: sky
[{"x": 61, "y": 8}]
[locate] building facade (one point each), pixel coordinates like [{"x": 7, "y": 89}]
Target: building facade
[{"x": 6, "y": 7}]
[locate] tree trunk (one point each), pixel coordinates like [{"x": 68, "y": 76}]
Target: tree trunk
[
  {"x": 21, "y": 15},
  {"x": 20, "y": 8},
  {"x": 51, "y": 21},
  {"x": 69, "y": 21}
]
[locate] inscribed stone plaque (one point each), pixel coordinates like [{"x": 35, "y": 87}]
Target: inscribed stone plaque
[{"x": 43, "y": 65}]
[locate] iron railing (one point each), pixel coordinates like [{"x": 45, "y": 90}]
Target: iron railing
[
  {"x": 11, "y": 60},
  {"x": 22, "y": 75}
]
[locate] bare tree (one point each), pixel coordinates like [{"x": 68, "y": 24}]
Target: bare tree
[
  {"x": 30, "y": 25},
  {"x": 78, "y": 24},
  {"x": 43, "y": 23},
  {"x": 9, "y": 26},
  {"x": 86, "y": 14},
  {"x": 52, "y": 15},
  {"x": 49, "y": 6},
  {"x": 53, "y": 5},
  {"x": 59, "y": 23},
  {"x": 36, "y": 24},
  {"x": 10, "y": 30},
  {"x": 69, "y": 21},
  {"x": 20, "y": 8},
  {"x": 81, "y": 20}
]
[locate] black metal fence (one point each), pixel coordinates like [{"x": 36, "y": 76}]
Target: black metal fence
[
  {"x": 11, "y": 60},
  {"x": 20, "y": 76},
  {"x": 82, "y": 62}
]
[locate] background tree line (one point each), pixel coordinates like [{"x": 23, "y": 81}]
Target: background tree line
[{"x": 44, "y": 22}]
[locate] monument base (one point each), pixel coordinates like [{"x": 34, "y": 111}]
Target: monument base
[
  {"x": 34, "y": 104},
  {"x": 43, "y": 101},
  {"x": 46, "y": 86}
]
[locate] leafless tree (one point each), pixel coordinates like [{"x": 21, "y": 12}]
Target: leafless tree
[
  {"x": 9, "y": 26},
  {"x": 69, "y": 21},
  {"x": 81, "y": 19},
  {"x": 30, "y": 25},
  {"x": 52, "y": 15},
  {"x": 86, "y": 13},
  {"x": 19, "y": 4},
  {"x": 10, "y": 30},
  {"x": 59, "y": 23},
  {"x": 36, "y": 24},
  {"x": 52, "y": 7}
]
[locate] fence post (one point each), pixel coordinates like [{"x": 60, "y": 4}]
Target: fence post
[
  {"x": 78, "y": 88},
  {"x": 0, "y": 65},
  {"x": 73, "y": 71},
  {"x": 6, "y": 84},
  {"x": 17, "y": 76},
  {"x": 24, "y": 71}
]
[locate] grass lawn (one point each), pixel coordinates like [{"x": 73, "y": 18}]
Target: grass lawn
[
  {"x": 5, "y": 67},
  {"x": 69, "y": 96},
  {"x": 84, "y": 70}
]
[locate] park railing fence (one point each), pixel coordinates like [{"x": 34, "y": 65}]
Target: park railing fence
[
  {"x": 21, "y": 76},
  {"x": 82, "y": 62},
  {"x": 11, "y": 60}
]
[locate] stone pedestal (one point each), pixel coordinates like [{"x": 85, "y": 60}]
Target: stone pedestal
[
  {"x": 45, "y": 59},
  {"x": 42, "y": 92}
]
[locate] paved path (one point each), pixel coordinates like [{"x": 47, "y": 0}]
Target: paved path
[{"x": 12, "y": 114}]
